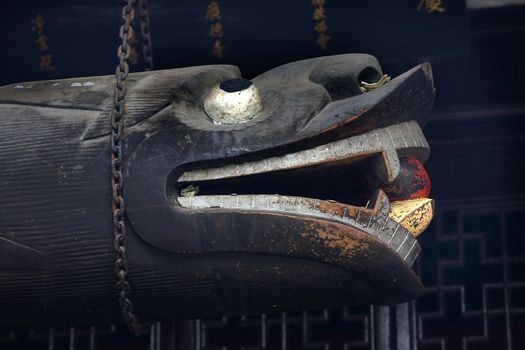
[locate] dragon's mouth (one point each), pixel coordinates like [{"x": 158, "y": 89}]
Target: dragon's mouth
[{"x": 334, "y": 170}]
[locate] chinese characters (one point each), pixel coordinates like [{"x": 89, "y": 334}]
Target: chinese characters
[
  {"x": 430, "y": 6},
  {"x": 45, "y": 59},
  {"x": 320, "y": 26},
  {"x": 214, "y": 16}
]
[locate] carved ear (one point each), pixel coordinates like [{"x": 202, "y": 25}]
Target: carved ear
[{"x": 342, "y": 75}]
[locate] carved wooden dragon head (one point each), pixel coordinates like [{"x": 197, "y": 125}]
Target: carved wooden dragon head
[{"x": 230, "y": 189}]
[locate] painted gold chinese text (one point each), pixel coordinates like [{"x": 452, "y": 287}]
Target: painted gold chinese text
[
  {"x": 430, "y": 6},
  {"x": 320, "y": 26},
  {"x": 216, "y": 32},
  {"x": 46, "y": 59}
]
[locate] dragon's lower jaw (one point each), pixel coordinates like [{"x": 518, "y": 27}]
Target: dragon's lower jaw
[
  {"x": 413, "y": 215},
  {"x": 380, "y": 148}
]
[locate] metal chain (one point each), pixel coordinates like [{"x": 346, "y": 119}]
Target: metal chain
[
  {"x": 117, "y": 180},
  {"x": 147, "y": 48}
]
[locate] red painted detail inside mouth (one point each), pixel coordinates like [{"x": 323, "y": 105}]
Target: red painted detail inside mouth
[{"x": 413, "y": 181}]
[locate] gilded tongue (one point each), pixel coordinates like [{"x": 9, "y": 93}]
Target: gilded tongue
[{"x": 413, "y": 214}]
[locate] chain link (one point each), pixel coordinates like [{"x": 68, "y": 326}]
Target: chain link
[
  {"x": 147, "y": 49},
  {"x": 117, "y": 180}
]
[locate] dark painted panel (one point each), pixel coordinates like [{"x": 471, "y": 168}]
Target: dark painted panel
[{"x": 258, "y": 35}]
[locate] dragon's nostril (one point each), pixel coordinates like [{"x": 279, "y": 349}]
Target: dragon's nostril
[{"x": 233, "y": 101}]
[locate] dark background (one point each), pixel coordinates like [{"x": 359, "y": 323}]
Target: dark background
[{"x": 473, "y": 258}]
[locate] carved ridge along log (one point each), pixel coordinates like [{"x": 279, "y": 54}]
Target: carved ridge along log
[{"x": 219, "y": 216}]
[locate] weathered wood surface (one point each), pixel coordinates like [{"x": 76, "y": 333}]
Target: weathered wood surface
[{"x": 56, "y": 246}]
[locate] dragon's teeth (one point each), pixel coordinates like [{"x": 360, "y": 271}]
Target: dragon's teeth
[
  {"x": 386, "y": 166},
  {"x": 385, "y": 143},
  {"x": 272, "y": 202}
]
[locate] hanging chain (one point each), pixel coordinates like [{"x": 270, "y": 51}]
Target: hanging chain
[
  {"x": 147, "y": 49},
  {"x": 117, "y": 180}
]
